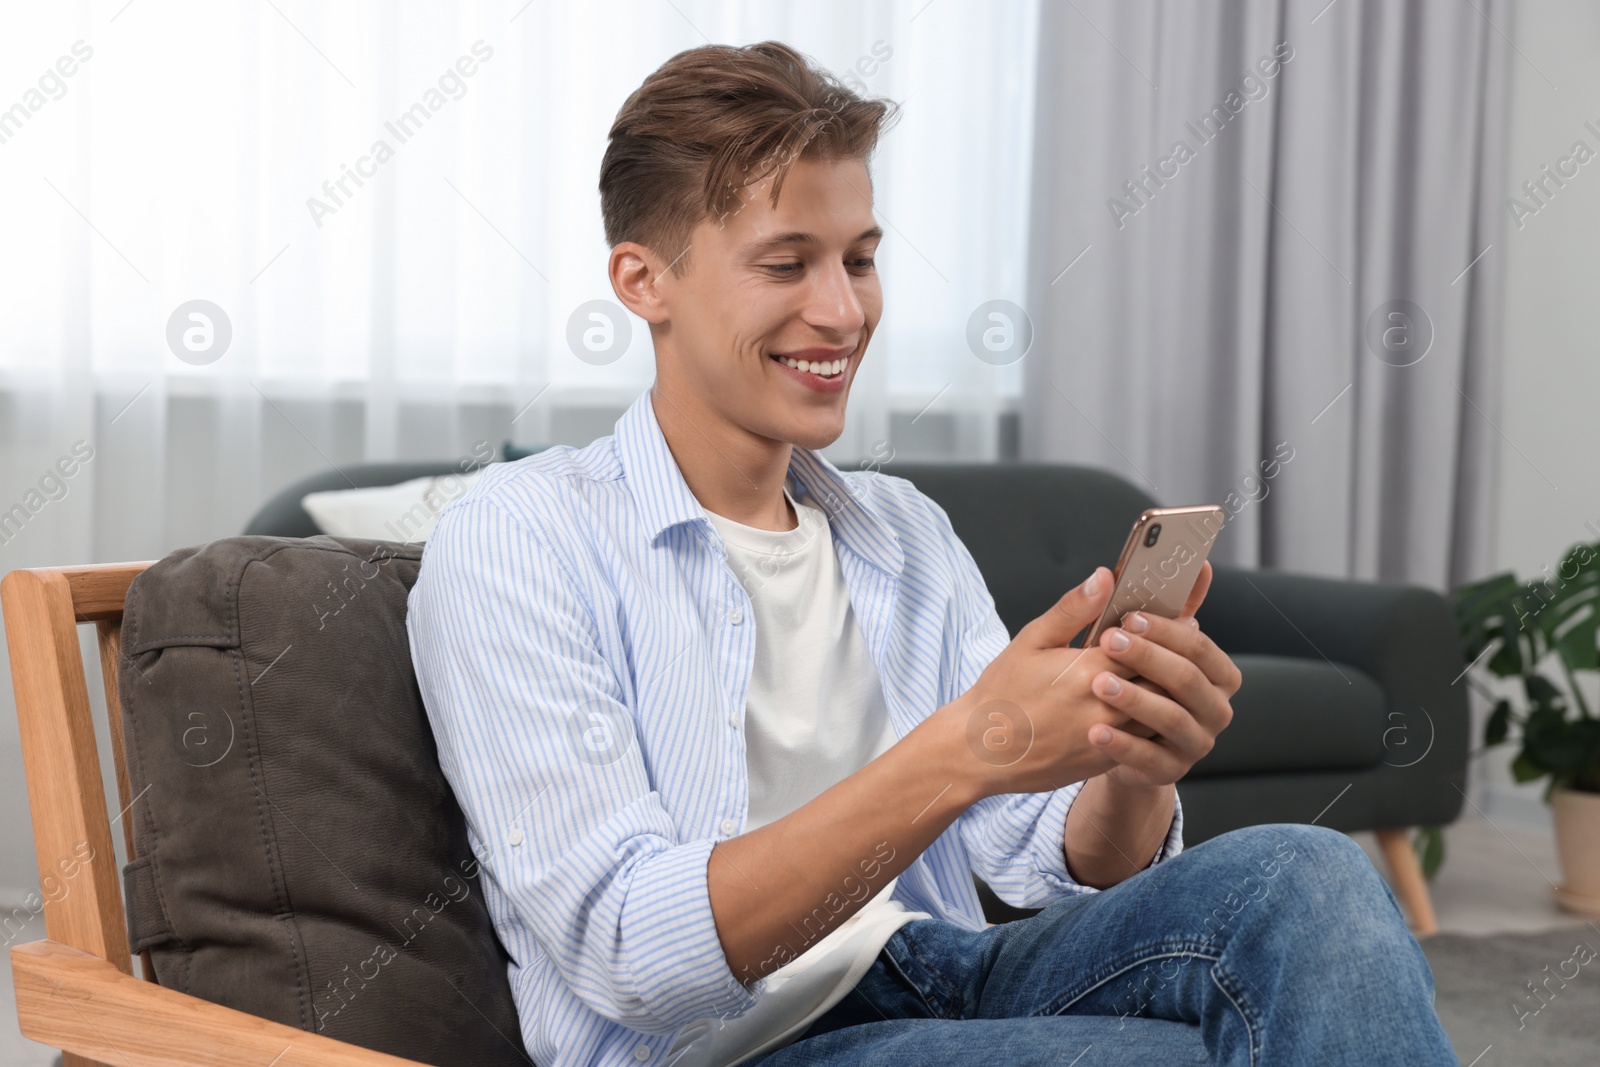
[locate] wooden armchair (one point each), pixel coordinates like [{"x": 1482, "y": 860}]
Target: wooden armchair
[{"x": 75, "y": 988}]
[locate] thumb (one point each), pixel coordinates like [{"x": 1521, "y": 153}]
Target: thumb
[{"x": 1079, "y": 607}]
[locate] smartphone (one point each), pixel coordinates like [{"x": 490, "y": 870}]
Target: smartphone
[{"x": 1160, "y": 562}]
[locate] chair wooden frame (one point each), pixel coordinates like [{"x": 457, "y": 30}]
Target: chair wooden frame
[{"x": 75, "y": 988}]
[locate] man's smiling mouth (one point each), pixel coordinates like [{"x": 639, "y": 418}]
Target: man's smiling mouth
[
  {"x": 824, "y": 363},
  {"x": 822, "y": 370}
]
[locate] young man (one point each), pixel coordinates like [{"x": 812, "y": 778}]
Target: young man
[{"x": 734, "y": 729}]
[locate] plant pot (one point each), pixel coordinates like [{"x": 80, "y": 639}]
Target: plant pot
[{"x": 1576, "y": 816}]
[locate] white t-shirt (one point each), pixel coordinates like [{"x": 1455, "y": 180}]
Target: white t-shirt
[{"x": 815, "y": 714}]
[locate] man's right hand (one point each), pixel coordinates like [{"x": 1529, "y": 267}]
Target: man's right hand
[{"x": 1026, "y": 720}]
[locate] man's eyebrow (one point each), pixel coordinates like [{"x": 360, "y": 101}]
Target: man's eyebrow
[{"x": 756, "y": 248}]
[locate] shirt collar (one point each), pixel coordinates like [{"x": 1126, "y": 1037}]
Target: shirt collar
[{"x": 664, "y": 499}]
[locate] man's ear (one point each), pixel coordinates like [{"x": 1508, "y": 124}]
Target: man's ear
[{"x": 636, "y": 273}]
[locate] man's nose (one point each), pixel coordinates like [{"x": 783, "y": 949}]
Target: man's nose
[{"x": 833, "y": 304}]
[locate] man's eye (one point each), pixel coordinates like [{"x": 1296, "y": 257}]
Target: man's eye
[{"x": 785, "y": 270}]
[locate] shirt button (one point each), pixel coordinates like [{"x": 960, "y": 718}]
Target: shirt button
[
  {"x": 733, "y": 721},
  {"x": 641, "y": 1052},
  {"x": 736, "y": 615},
  {"x": 728, "y": 826}
]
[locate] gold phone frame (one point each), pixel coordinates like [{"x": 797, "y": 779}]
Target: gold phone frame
[{"x": 1171, "y": 592}]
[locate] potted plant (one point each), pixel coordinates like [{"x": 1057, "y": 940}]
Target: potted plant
[{"x": 1542, "y": 634}]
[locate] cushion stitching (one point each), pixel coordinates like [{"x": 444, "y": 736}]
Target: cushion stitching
[
  {"x": 126, "y": 709},
  {"x": 247, "y": 715}
]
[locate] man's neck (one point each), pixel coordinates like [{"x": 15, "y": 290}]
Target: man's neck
[{"x": 732, "y": 473}]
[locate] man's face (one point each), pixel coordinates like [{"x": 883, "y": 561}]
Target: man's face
[{"x": 796, "y": 280}]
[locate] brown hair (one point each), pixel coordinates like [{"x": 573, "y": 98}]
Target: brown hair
[{"x": 710, "y": 122}]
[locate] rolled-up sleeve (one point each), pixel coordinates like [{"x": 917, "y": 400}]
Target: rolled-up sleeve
[
  {"x": 1037, "y": 870},
  {"x": 537, "y": 740},
  {"x": 1016, "y": 841}
]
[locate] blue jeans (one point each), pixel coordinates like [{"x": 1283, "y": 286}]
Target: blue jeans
[{"x": 1269, "y": 946}]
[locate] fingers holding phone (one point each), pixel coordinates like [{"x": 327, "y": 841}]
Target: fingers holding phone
[
  {"x": 1026, "y": 717},
  {"x": 1185, "y": 706},
  {"x": 1177, "y": 696},
  {"x": 1065, "y": 695},
  {"x": 1197, "y": 594}
]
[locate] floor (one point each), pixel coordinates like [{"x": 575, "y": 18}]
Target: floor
[{"x": 1496, "y": 879}]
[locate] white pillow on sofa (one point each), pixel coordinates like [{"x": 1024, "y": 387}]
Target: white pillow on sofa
[{"x": 402, "y": 512}]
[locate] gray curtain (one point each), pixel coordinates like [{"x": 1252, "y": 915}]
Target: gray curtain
[{"x": 1249, "y": 272}]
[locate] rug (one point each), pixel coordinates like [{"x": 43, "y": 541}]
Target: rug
[{"x": 1530, "y": 1000}]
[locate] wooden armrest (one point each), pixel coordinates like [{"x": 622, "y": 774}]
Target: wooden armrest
[{"x": 80, "y": 1003}]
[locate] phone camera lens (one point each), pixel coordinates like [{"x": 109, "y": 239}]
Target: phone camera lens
[{"x": 1155, "y": 532}]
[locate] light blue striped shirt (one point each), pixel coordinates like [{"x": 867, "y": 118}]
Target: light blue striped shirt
[{"x": 584, "y": 651}]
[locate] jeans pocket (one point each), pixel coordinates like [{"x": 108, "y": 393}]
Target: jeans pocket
[
  {"x": 920, "y": 953},
  {"x": 1131, "y": 983}
]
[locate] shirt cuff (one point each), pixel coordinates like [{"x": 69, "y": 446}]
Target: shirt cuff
[
  {"x": 674, "y": 954},
  {"x": 1171, "y": 846},
  {"x": 1047, "y": 848},
  {"x": 1174, "y": 842}
]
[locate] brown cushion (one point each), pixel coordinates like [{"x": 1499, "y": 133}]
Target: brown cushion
[{"x": 301, "y": 856}]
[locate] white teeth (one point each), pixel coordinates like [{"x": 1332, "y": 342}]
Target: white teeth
[{"x": 826, "y": 370}]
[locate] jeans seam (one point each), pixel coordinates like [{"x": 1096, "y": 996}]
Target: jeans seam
[
  {"x": 1134, "y": 958},
  {"x": 1252, "y": 1025},
  {"x": 1218, "y": 974}
]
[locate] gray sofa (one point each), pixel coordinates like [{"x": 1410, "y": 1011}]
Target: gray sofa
[{"x": 1348, "y": 716}]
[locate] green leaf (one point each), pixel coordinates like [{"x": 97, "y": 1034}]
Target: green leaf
[
  {"x": 1429, "y": 844},
  {"x": 1515, "y": 630},
  {"x": 1542, "y": 694},
  {"x": 1584, "y": 737},
  {"x": 1576, "y": 643},
  {"x": 1507, "y": 660},
  {"x": 1481, "y": 599},
  {"x": 1569, "y": 621},
  {"x": 1499, "y": 725},
  {"x": 1476, "y": 599},
  {"x": 1588, "y": 778},
  {"x": 1549, "y": 742},
  {"x": 1487, "y": 613},
  {"x": 1522, "y": 770}
]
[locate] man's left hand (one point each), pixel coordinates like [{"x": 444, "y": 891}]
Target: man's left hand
[{"x": 1181, "y": 695}]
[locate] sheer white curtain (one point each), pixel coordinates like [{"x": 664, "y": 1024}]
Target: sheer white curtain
[
  {"x": 409, "y": 298},
  {"x": 154, "y": 154}
]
